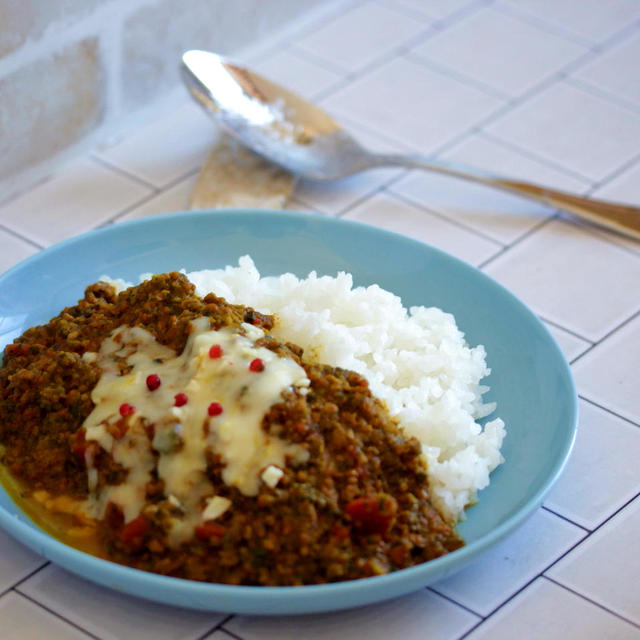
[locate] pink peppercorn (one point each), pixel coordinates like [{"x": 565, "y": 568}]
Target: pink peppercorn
[
  {"x": 181, "y": 399},
  {"x": 126, "y": 409},
  {"x": 215, "y": 351},
  {"x": 256, "y": 365},
  {"x": 153, "y": 381},
  {"x": 215, "y": 409}
]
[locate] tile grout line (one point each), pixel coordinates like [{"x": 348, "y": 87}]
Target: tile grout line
[
  {"x": 591, "y": 533},
  {"x": 463, "y": 12},
  {"x": 462, "y": 78},
  {"x": 473, "y": 628},
  {"x": 319, "y": 61},
  {"x": 521, "y": 238},
  {"x": 106, "y": 164},
  {"x": 311, "y": 27},
  {"x": 149, "y": 197},
  {"x": 20, "y": 236},
  {"x": 607, "y": 335},
  {"x": 231, "y": 634},
  {"x": 547, "y": 26},
  {"x": 540, "y": 574},
  {"x": 567, "y": 519},
  {"x": 358, "y": 201},
  {"x": 438, "y": 214},
  {"x": 557, "y": 325},
  {"x": 406, "y": 11},
  {"x": 557, "y": 77},
  {"x": 608, "y": 410},
  {"x": 25, "y": 190},
  {"x": 57, "y": 615},
  {"x": 592, "y": 601},
  {"x": 531, "y": 155},
  {"x": 45, "y": 563},
  {"x": 616, "y": 173},
  {"x": 617, "y": 37},
  {"x": 454, "y": 601},
  {"x": 604, "y": 94},
  {"x": 215, "y": 628},
  {"x": 397, "y": 52},
  {"x": 127, "y": 209}
]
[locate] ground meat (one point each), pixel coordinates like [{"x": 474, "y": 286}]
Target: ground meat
[{"x": 359, "y": 507}]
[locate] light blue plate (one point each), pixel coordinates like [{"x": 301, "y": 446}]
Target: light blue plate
[{"x": 531, "y": 381}]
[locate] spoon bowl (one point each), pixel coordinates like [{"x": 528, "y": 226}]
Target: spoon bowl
[
  {"x": 288, "y": 130},
  {"x": 272, "y": 121}
]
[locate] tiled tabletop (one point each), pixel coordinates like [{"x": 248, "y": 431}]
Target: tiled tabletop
[{"x": 545, "y": 90}]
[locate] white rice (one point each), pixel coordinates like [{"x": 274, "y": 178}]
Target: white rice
[{"x": 417, "y": 361}]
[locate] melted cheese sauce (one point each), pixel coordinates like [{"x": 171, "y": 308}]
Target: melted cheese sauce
[{"x": 181, "y": 435}]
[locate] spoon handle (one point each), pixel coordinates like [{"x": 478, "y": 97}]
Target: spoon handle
[{"x": 619, "y": 217}]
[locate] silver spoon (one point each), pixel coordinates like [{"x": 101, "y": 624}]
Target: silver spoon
[{"x": 298, "y": 136}]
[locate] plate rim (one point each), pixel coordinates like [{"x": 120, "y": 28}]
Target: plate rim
[{"x": 289, "y": 599}]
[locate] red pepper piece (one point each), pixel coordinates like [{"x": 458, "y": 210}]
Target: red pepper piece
[
  {"x": 79, "y": 446},
  {"x": 399, "y": 555},
  {"x": 373, "y": 514},
  {"x": 340, "y": 532},
  {"x": 135, "y": 530},
  {"x": 16, "y": 350},
  {"x": 208, "y": 530}
]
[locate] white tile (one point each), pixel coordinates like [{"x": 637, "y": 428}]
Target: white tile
[
  {"x": 435, "y": 9},
  {"x": 608, "y": 374},
  {"x": 496, "y": 213},
  {"x": 176, "y": 198},
  {"x": 616, "y": 70},
  {"x": 503, "y": 570},
  {"x": 361, "y": 35},
  {"x": 166, "y": 149},
  {"x": 571, "y": 345},
  {"x": 21, "y": 619},
  {"x": 297, "y": 205},
  {"x": 80, "y": 197},
  {"x": 572, "y": 277},
  {"x": 443, "y": 8},
  {"x": 16, "y": 561},
  {"x": 419, "y": 9},
  {"x": 624, "y": 188},
  {"x": 492, "y": 155},
  {"x": 503, "y": 51},
  {"x": 573, "y": 128},
  {"x": 545, "y": 611},
  {"x": 111, "y": 615},
  {"x": 417, "y": 616},
  {"x": 387, "y": 212},
  {"x": 13, "y": 250},
  {"x": 602, "y": 473},
  {"x": 410, "y": 103},
  {"x": 337, "y": 196},
  {"x": 595, "y": 20},
  {"x": 605, "y": 568},
  {"x": 297, "y": 74}
]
